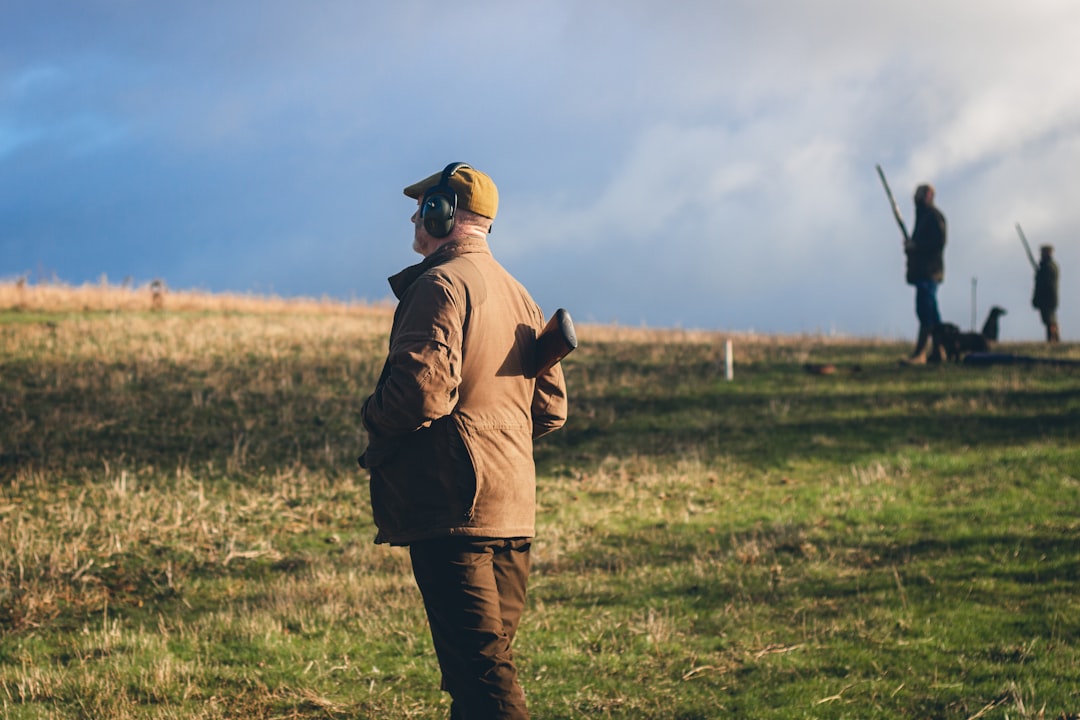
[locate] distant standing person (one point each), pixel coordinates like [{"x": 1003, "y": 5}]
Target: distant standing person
[
  {"x": 1045, "y": 299},
  {"x": 925, "y": 252},
  {"x": 450, "y": 426}
]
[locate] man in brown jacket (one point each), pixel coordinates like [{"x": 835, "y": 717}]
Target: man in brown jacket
[{"x": 451, "y": 425}]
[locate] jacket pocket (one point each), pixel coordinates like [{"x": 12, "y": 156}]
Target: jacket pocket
[
  {"x": 422, "y": 480},
  {"x": 377, "y": 453}
]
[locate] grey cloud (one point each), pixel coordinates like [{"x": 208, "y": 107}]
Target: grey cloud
[{"x": 706, "y": 165}]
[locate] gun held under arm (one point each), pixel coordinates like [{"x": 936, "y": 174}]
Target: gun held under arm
[{"x": 557, "y": 340}]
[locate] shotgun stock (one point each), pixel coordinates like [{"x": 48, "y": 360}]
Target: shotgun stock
[{"x": 556, "y": 341}]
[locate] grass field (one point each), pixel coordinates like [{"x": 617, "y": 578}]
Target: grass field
[{"x": 184, "y": 532}]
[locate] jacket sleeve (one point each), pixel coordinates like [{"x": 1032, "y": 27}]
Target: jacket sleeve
[
  {"x": 423, "y": 367},
  {"x": 549, "y": 404}
]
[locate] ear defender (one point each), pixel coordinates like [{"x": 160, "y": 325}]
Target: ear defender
[{"x": 439, "y": 204}]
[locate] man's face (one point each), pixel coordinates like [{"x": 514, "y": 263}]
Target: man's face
[{"x": 423, "y": 242}]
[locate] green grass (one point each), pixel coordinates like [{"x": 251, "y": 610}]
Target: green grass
[{"x": 184, "y": 533}]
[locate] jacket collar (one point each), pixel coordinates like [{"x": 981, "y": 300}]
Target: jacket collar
[{"x": 400, "y": 282}]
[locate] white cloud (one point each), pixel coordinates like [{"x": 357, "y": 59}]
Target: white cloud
[{"x": 700, "y": 163}]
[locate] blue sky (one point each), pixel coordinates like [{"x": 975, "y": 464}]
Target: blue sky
[{"x": 698, "y": 164}]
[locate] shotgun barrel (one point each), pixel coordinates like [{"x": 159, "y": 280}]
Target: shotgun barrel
[
  {"x": 895, "y": 207},
  {"x": 1027, "y": 248}
]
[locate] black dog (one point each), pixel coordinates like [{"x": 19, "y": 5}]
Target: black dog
[
  {"x": 990, "y": 328},
  {"x": 952, "y": 343}
]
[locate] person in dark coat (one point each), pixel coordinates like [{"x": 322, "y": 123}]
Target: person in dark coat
[
  {"x": 1045, "y": 299},
  {"x": 925, "y": 252}
]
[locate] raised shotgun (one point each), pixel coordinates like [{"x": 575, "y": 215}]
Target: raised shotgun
[
  {"x": 556, "y": 341},
  {"x": 1027, "y": 248},
  {"x": 895, "y": 207}
]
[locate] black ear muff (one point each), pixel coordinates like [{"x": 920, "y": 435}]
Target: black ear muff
[
  {"x": 437, "y": 213},
  {"x": 439, "y": 204}
]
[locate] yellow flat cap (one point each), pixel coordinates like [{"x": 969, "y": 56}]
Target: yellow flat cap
[{"x": 476, "y": 191}]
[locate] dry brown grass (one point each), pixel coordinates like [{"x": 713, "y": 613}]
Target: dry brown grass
[
  {"x": 163, "y": 308},
  {"x": 620, "y": 333},
  {"x": 745, "y": 346},
  {"x": 59, "y": 297}
]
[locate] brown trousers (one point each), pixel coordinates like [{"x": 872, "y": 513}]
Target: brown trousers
[{"x": 474, "y": 594}]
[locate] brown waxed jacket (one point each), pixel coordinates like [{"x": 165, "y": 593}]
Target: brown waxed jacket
[{"x": 452, "y": 420}]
